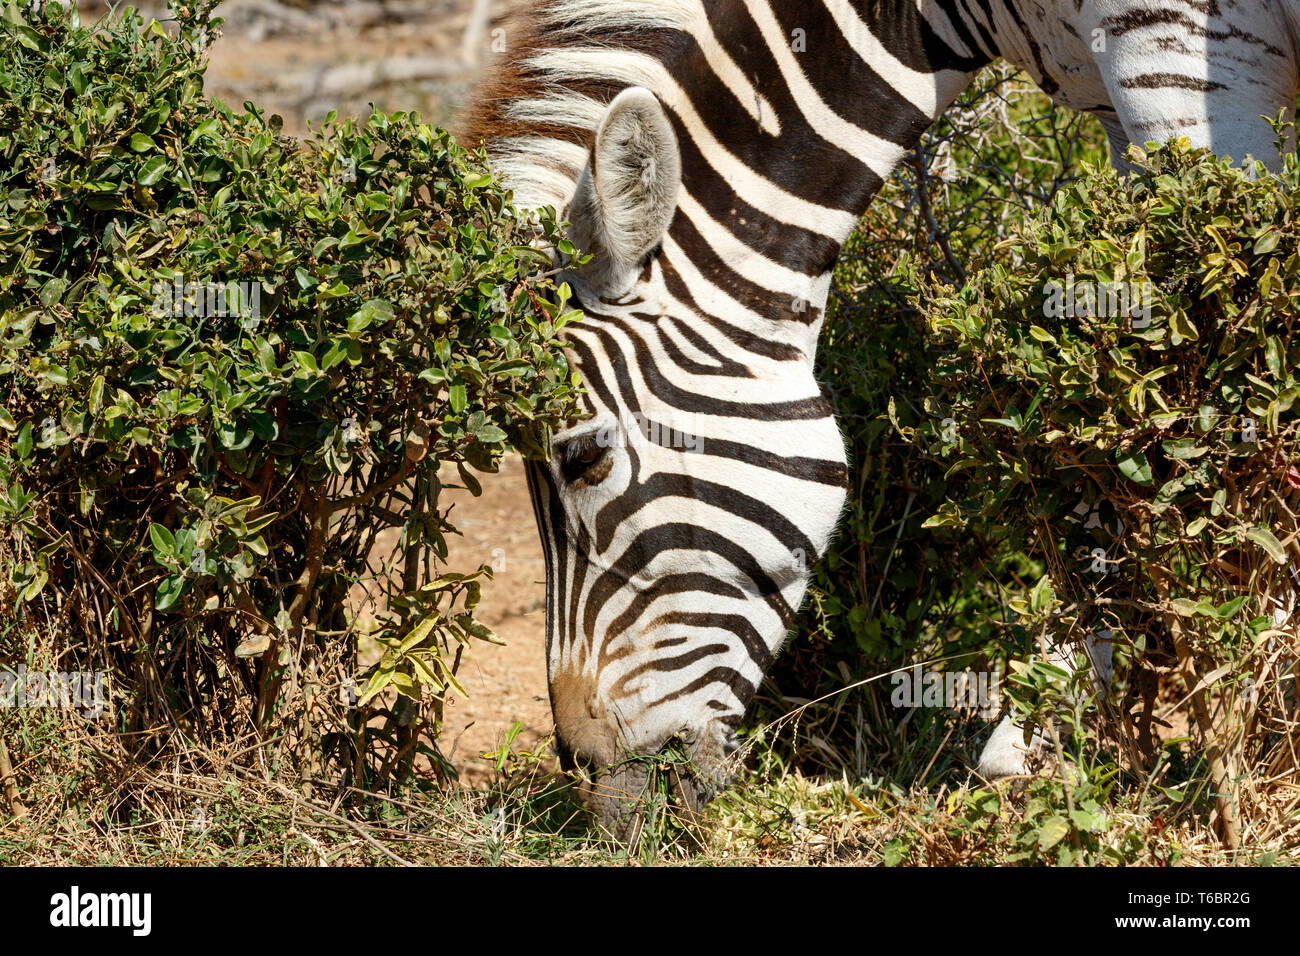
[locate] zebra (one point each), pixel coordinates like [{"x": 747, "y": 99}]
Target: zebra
[{"x": 713, "y": 156}]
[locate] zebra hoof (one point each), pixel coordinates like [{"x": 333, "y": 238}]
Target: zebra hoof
[{"x": 1007, "y": 755}]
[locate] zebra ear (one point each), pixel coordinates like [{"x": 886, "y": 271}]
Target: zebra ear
[{"x": 627, "y": 194}]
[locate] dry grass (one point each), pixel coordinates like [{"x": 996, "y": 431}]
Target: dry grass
[{"x": 89, "y": 803}]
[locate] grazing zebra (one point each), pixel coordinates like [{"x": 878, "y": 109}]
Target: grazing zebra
[{"x": 713, "y": 156}]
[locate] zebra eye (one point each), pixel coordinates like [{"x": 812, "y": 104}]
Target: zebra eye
[{"x": 585, "y": 460}]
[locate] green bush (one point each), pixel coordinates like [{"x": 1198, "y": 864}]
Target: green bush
[
  {"x": 228, "y": 361},
  {"x": 890, "y": 592},
  {"x": 1123, "y": 378}
]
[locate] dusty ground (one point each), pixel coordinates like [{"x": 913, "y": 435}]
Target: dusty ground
[
  {"x": 422, "y": 55},
  {"x": 505, "y": 684}
]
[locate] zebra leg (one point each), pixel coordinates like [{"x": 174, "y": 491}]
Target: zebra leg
[
  {"x": 1007, "y": 754},
  {"x": 1118, "y": 140}
]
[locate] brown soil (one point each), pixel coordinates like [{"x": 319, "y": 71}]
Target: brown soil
[{"x": 504, "y": 684}]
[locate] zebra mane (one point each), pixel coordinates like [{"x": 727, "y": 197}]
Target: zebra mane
[{"x": 565, "y": 60}]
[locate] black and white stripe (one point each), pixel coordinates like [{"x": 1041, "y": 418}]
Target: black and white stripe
[{"x": 738, "y": 143}]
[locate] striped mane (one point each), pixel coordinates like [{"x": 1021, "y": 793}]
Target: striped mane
[{"x": 566, "y": 59}]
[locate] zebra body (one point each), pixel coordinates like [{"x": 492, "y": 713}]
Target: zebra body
[{"x": 713, "y": 156}]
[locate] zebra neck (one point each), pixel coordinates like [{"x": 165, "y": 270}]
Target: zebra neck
[{"x": 790, "y": 115}]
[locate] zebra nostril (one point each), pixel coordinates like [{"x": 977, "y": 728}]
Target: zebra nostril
[
  {"x": 575, "y": 759},
  {"x": 565, "y": 754}
]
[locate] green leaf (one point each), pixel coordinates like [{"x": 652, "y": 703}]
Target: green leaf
[
  {"x": 77, "y": 79},
  {"x": 418, "y": 634},
  {"x": 1267, "y": 242},
  {"x": 1184, "y": 449},
  {"x": 163, "y": 541},
  {"x": 169, "y": 591},
  {"x": 456, "y": 395},
  {"x": 34, "y": 587},
  {"x": 1013, "y": 419},
  {"x": 1229, "y": 609},
  {"x": 1266, "y": 540},
  {"x": 1134, "y": 466},
  {"x": 1042, "y": 596},
  {"x": 378, "y": 681},
  {"x": 307, "y": 362},
  {"x": 489, "y": 434},
  {"x": 373, "y": 312},
  {"x": 894, "y": 853},
  {"x": 1052, "y": 831},
  {"x": 152, "y": 171},
  {"x": 52, "y": 291},
  {"x": 23, "y": 443}
]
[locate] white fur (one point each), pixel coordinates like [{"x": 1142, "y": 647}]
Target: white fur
[{"x": 627, "y": 195}]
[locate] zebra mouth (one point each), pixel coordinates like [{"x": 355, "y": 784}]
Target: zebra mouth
[{"x": 622, "y": 796}]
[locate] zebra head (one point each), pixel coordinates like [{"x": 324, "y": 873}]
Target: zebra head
[{"x": 681, "y": 516}]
